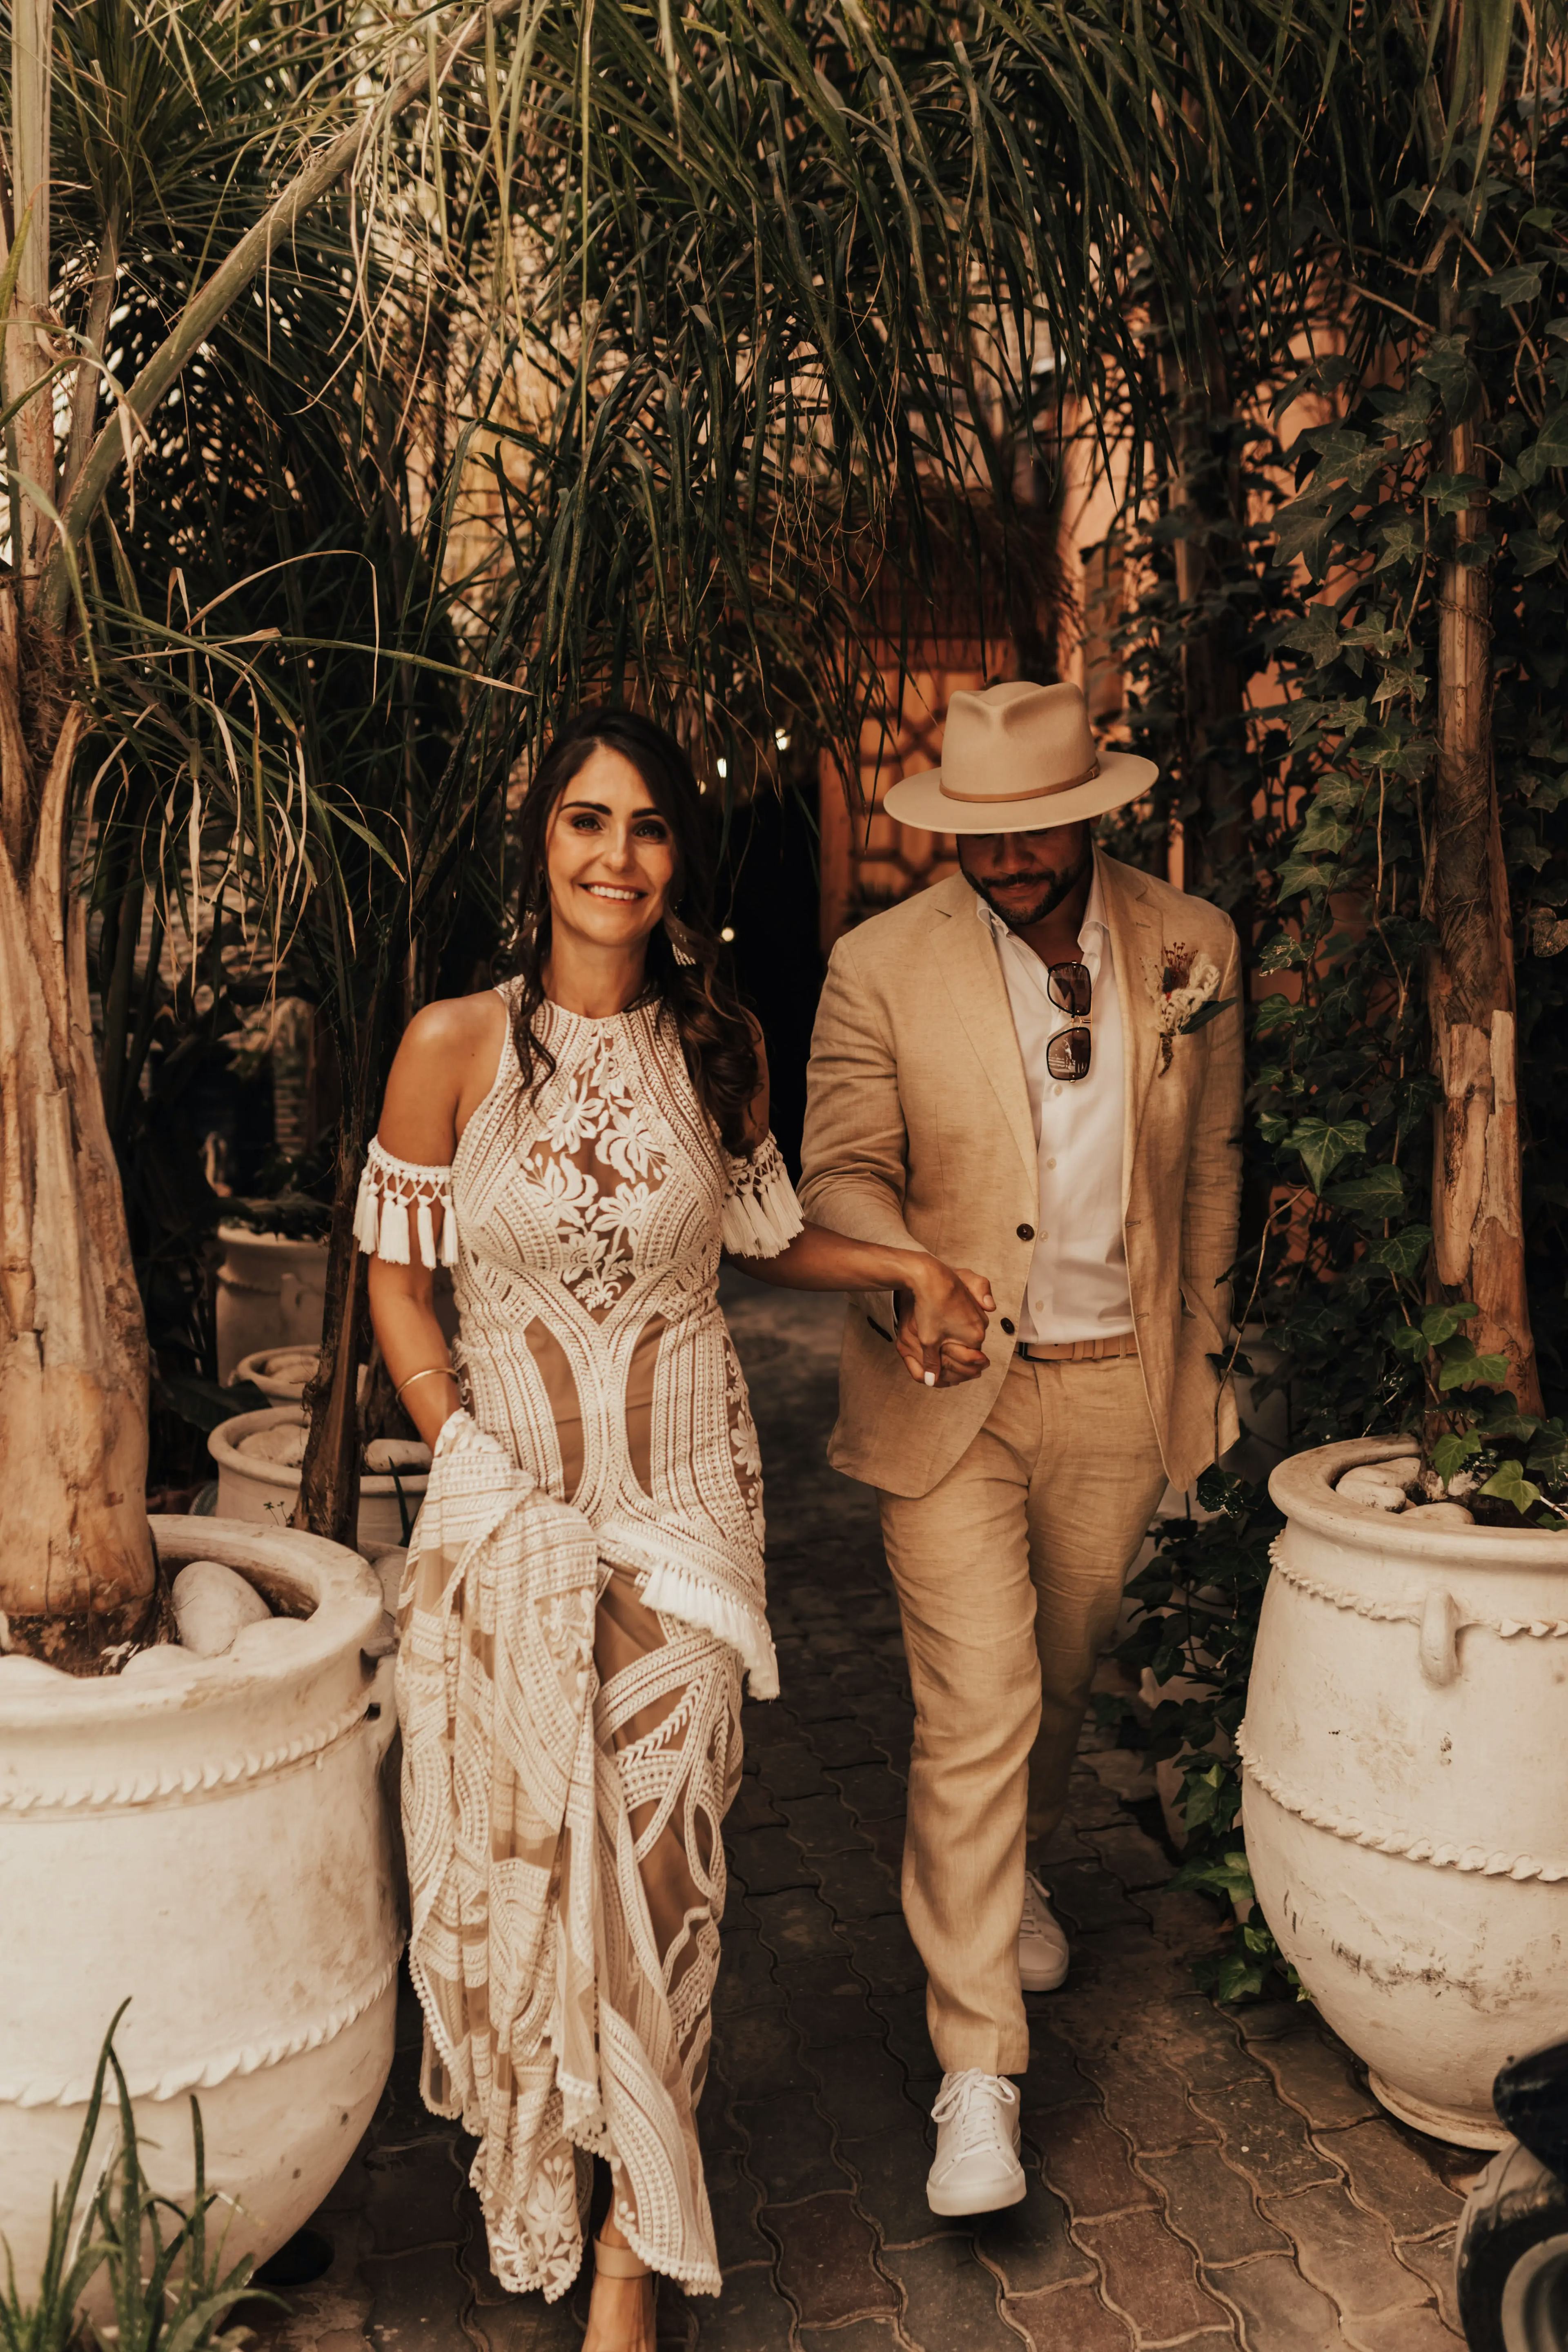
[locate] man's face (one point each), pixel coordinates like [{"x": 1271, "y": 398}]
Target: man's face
[{"x": 1023, "y": 876}]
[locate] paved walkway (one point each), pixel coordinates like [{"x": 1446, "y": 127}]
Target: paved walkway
[{"x": 1194, "y": 2176}]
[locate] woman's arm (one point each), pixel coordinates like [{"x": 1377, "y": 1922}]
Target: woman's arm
[
  {"x": 939, "y": 1333},
  {"x": 431, "y": 1091},
  {"x": 940, "y": 1336}
]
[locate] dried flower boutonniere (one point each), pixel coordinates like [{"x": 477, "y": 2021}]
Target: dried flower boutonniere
[{"x": 1185, "y": 987}]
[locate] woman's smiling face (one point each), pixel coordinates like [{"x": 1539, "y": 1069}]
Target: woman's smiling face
[{"x": 610, "y": 855}]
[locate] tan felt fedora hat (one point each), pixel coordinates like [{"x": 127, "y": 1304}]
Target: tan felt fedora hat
[{"x": 1018, "y": 758}]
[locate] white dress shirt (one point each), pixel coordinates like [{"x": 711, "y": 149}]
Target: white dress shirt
[{"x": 1077, "y": 1276}]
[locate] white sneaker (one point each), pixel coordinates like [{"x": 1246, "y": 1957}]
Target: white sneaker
[
  {"x": 977, "y": 2168},
  {"x": 1042, "y": 1947}
]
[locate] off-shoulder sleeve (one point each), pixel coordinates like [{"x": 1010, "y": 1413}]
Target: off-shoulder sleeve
[
  {"x": 762, "y": 1215},
  {"x": 388, "y": 1189}
]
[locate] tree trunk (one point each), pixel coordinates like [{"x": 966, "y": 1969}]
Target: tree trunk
[
  {"x": 1477, "y": 1223},
  {"x": 27, "y": 356},
  {"x": 330, "y": 1475},
  {"x": 79, "y": 1572}
]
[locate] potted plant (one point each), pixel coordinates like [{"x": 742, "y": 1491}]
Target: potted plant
[
  {"x": 1405, "y": 1817},
  {"x": 1391, "y": 834},
  {"x": 157, "y": 1831}
]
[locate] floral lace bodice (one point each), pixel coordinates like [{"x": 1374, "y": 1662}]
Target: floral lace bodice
[{"x": 585, "y": 1227}]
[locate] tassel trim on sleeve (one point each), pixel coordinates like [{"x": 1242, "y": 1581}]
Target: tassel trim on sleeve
[
  {"x": 762, "y": 1215},
  {"x": 387, "y": 1189}
]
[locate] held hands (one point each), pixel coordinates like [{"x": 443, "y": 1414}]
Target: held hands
[{"x": 942, "y": 1323}]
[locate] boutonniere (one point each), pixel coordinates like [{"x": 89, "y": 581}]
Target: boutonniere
[{"x": 1184, "y": 988}]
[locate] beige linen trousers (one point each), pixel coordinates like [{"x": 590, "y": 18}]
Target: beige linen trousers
[{"x": 1011, "y": 1506}]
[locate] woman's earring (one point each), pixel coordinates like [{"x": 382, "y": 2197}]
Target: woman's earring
[{"x": 679, "y": 940}]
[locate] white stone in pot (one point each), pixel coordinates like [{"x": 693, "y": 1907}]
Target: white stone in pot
[
  {"x": 1376, "y": 1487},
  {"x": 211, "y": 1605},
  {"x": 1443, "y": 1515},
  {"x": 285, "y": 1444},
  {"x": 385, "y": 1453}
]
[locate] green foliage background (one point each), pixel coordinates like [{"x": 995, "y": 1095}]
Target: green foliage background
[{"x": 1319, "y": 564}]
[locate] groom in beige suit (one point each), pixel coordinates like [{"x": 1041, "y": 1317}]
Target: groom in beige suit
[{"x": 1032, "y": 1070}]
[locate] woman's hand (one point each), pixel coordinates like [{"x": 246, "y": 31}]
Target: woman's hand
[{"x": 942, "y": 1316}]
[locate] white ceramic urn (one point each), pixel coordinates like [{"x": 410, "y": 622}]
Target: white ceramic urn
[
  {"x": 252, "y": 1486},
  {"x": 211, "y": 1842},
  {"x": 1405, "y": 1787},
  {"x": 272, "y": 1293}
]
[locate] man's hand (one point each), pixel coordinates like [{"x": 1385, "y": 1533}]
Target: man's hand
[{"x": 942, "y": 1320}]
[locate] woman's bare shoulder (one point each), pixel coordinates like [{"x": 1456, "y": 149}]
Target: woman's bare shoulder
[
  {"x": 455, "y": 1024},
  {"x": 445, "y": 1065}
]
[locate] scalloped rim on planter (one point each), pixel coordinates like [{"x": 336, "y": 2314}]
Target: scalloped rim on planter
[
  {"x": 1405, "y": 1811},
  {"x": 213, "y": 1843}
]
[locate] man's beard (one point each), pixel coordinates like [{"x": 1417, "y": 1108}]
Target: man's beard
[{"x": 1054, "y": 888}]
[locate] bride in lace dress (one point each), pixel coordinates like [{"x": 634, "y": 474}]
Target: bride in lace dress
[{"x": 585, "y": 1591}]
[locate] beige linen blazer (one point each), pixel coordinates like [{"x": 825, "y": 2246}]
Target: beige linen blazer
[{"x": 919, "y": 1130}]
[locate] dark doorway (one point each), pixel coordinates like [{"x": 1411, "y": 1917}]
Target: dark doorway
[{"x": 769, "y": 896}]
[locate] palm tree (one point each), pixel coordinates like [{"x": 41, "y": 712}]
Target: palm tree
[{"x": 200, "y": 141}]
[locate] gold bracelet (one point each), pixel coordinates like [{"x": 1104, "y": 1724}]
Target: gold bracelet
[{"x": 431, "y": 1372}]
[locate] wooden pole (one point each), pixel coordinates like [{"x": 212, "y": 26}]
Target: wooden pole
[{"x": 1477, "y": 1221}]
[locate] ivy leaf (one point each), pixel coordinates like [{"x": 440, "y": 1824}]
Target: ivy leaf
[
  {"x": 1238, "y": 1978},
  {"x": 1304, "y": 527},
  {"x": 1379, "y": 1194},
  {"x": 1403, "y": 1253},
  {"x": 1440, "y": 1323},
  {"x": 1549, "y": 448},
  {"x": 1302, "y": 875},
  {"x": 1521, "y": 285},
  {"x": 1408, "y": 415},
  {"x": 1451, "y": 1452},
  {"x": 1531, "y": 551},
  {"x": 1323, "y": 1143},
  {"x": 1324, "y": 829},
  {"x": 1453, "y": 493},
  {"x": 1462, "y": 1366},
  {"x": 1401, "y": 543},
  {"x": 1410, "y": 1340},
  {"x": 1447, "y": 365},
  {"x": 1275, "y": 1011},
  {"x": 1316, "y": 634},
  {"x": 1509, "y": 1484}
]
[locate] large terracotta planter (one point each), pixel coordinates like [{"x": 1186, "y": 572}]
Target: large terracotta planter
[
  {"x": 272, "y": 1293},
  {"x": 1405, "y": 1795},
  {"x": 264, "y": 1493},
  {"x": 213, "y": 1844}
]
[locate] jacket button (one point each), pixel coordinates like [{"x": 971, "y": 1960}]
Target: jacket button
[
  {"x": 1007, "y": 1326},
  {"x": 1025, "y": 1233}
]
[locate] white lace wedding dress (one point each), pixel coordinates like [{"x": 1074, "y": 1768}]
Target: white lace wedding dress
[{"x": 583, "y": 1592}]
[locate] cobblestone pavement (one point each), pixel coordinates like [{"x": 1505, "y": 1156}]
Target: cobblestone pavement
[{"x": 1195, "y": 2176}]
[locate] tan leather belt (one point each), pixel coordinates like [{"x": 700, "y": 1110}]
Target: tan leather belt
[{"x": 1078, "y": 1351}]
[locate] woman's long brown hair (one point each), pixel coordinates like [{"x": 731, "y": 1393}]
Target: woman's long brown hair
[{"x": 699, "y": 997}]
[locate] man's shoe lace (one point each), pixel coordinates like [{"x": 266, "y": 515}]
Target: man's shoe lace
[{"x": 974, "y": 2101}]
